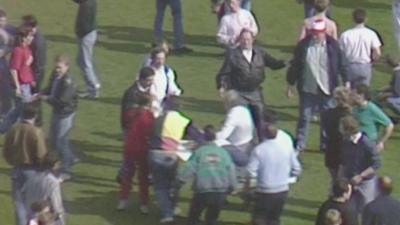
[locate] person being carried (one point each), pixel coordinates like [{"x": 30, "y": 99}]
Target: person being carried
[
  {"x": 214, "y": 176},
  {"x": 169, "y": 130}
]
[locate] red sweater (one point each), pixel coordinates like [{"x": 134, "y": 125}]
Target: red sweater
[
  {"x": 139, "y": 132},
  {"x": 20, "y": 62}
]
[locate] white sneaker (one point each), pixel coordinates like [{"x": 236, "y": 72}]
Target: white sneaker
[
  {"x": 177, "y": 211},
  {"x": 167, "y": 220},
  {"x": 144, "y": 209},
  {"x": 122, "y": 204}
]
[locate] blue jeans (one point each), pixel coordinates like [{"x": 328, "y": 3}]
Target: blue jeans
[
  {"x": 5, "y": 87},
  {"x": 176, "y": 10},
  {"x": 18, "y": 177},
  {"x": 85, "y": 62},
  {"x": 309, "y": 10},
  {"x": 164, "y": 170},
  {"x": 13, "y": 115},
  {"x": 308, "y": 104},
  {"x": 59, "y": 133}
]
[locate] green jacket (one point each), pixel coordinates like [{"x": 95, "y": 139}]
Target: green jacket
[
  {"x": 212, "y": 169},
  {"x": 86, "y": 18}
]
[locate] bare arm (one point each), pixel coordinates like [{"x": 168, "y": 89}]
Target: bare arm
[
  {"x": 376, "y": 54},
  {"x": 14, "y": 75}
]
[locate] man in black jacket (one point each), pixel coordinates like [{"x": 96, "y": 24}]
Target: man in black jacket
[
  {"x": 139, "y": 88},
  {"x": 315, "y": 70},
  {"x": 61, "y": 94},
  {"x": 340, "y": 201},
  {"x": 85, "y": 29},
  {"x": 244, "y": 71}
]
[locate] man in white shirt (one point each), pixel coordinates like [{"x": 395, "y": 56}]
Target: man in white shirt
[
  {"x": 164, "y": 84},
  {"x": 238, "y": 128},
  {"x": 232, "y": 24},
  {"x": 360, "y": 46},
  {"x": 272, "y": 167}
]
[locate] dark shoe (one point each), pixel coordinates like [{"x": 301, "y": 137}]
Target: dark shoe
[{"x": 182, "y": 50}]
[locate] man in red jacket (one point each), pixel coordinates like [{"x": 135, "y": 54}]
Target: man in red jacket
[{"x": 136, "y": 147}]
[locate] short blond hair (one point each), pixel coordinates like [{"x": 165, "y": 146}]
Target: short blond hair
[
  {"x": 342, "y": 96},
  {"x": 63, "y": 58}
]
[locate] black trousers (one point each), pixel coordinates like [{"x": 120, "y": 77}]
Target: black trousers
[
  {"x": 268, "y": 208},
  {"x": 212, "y": 202}
]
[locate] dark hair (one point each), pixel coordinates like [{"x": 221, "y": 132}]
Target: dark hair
[
  {"x": 269, "y": 130},
  {"x": 340, "y": 186},
  {"x": 363, "y": 90},
  {"x": 22, "y": 33},
  {"x": 359, "y": 15},
  {"x": 143, "y": 100},
  {"x": 49, "y": 161},
  {"x": 385, "y": 185},
  {"x": 29, "y": 21},
  {"x": 209, "y": 133},
  {"x": 3, "y": 13},
  {"x": 321, "y": 5},
  {"x": 145, "y": 73},
  {"x": 155, "y": 51},
  {"x": 29, "y": 111}
]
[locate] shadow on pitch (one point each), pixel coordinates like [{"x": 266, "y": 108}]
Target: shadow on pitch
[
  {"x": 102, "y": 204},
  {"x": 361, "y": 3},
  {"x": 138, "y": 40},
  {"x": 129, "y": 47}
]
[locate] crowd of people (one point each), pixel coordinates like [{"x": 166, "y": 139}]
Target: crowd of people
[{"x": 249, "y": 156}]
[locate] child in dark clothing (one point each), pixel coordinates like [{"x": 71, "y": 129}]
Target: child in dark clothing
[{"x": 136, "y": 146}]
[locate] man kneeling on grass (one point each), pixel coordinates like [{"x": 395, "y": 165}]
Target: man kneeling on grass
[{"x": 214, "y": 177}]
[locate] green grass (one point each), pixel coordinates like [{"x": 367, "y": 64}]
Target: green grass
[{"x": 125, "y": 36}]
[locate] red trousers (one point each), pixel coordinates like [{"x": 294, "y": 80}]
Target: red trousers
[{"x": 131, "y": 164}]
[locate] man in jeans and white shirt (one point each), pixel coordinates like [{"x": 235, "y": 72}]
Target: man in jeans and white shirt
[
  {"x": 164, "y": 84},
  {"x": 272, "y": 164},
  {"x": 360, "y": 46}
]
